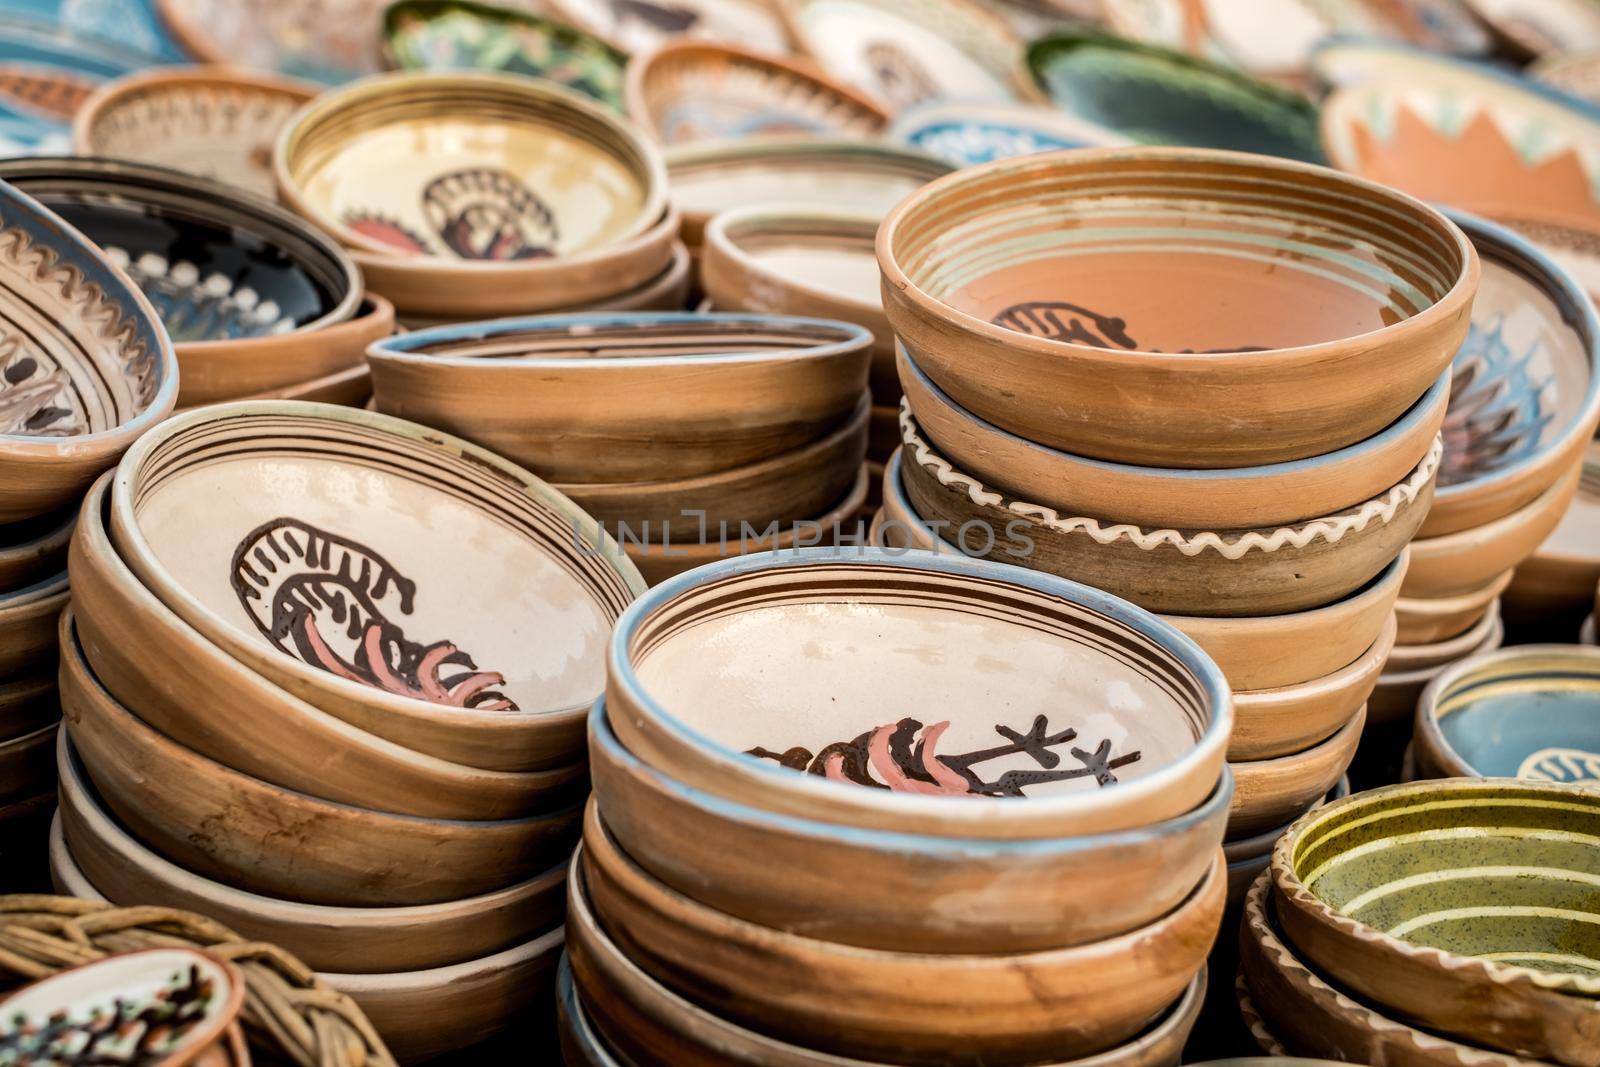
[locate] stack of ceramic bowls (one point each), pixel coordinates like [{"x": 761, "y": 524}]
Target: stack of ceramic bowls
[
  {"x": 1252, "y": 473},
  {"x": 923, "y": 810},
  {"x": 1549, "y": 597},
  {"x": 258, "y": 304},
  {"x": 688, "y": 436},
  {"x": 325, "y": 679},
  {"x": 470, "y": 196},
  {"x": 1449, "y": 922}
]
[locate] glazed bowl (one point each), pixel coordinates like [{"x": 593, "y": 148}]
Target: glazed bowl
[
  {"x": 315, "y": 574},
  {"x": 1427, "y": 620},
  {"x": 1463, "y": 906},
  {"x": 1224, "y": 573},
  {"x": 974, "y": 264},
  {"x": 1532, "y": 711},
  {"x": 639, "y": 28},
  {"x": 34, "y": 549},
  {"x": 742, "y": 388},
  {"x": 1407, "y": 658},
  {"x": 1269, "y": 723},
  {"x": 907, "y": 1006},
  {"x": 217, "y": 122},
  {"x": 965, "y": 134},
  {"x": 1270, "y": 792},
  {"x": 98, "y": 371},
  {"x": 693, "y": 91},
  {"x": 28, "y": 625},
  {"x": 925, "y": 629},
  {"x": 275, "y": 37},
  {"x": 1182, "y": 498},
  {"x": 927, "y": 894}
]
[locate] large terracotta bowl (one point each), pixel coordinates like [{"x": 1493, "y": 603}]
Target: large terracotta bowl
[
  {"x": 911, "y": 1007},
  {"x": 1051, "y": 295},
  {"x": 96, "y": 372},
  {"x": 902, "y": 655},
  {"x": 657, "y": 397},
  {"x": 410, "y": 583},
  {"x": 1463, "y": 906}
]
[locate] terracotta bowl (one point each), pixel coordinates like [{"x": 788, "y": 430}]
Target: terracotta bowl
[
  {"x": 924, "y": 618},
  {"x": 909, "y": 1007},
  {"x": 346, "y": 388},
  {"x": 1394, "y": 700},
  {"x": 1270, "y": 723},
  {"x": 753, "y": 23},
  {"x": 27, "y": 764},
  {"x": 662, "y": 396},
  {"x": 1461, "y": 906},
  {"x": 967, "y": 134},
  {"x": 334, "y": 516},
  {"x": 1223, "y": 573},
  {"x": 927, "y": 893},
  {"x": 28, "y": 625},
  {"x": 28, "y": 703},
  {"x": 1424, "y": 621},
  {"x": 215, "y": 121},
  {"x": 275, "y": 37},
  {"x": 1554, "y": 583},
  {"x": 34, "y": 549},
  {"x": 98, "y": 370},
  {"x": 367, "y": 940},
  {"x": 1532, "y": 711},
  {"x": 343, "y": 856},
  {"x": 1270, "y": 792},
  {"x": 1407, "y": 658},
  {"x": 1217, "y": 498},
  {"x": 973, "y": 266},
  {"x": 688, "y": 91}
]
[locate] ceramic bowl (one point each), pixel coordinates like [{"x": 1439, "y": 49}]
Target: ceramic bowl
[
  {"x": 217, "y": 122},
  {"x": 1523, "y": 712},
  {"x": 648, "y": 1019},
  {"x": 1553, "y": 584},
  {"x": 1270, "y": 792},
  {"x": 974, "y": 263},
  {"x": 275, "y": 37},
  {"x": 313, "y": 583},
  {"x": 965, "y": 134},
  {"x": 97, "y": 371},
  {"x": 1462, "y": 906},
  {"x": 688, "y": 91},
  {"x": 1541, "y": 28},
  {"x": 1222, "y": 573},
  {"x": 1407, "y": 658},
  {"x": 27, "y": 764},
  {"x": 28, "y": 703},
  {"x": 1425, "y": 621},
  {"x": 347, "y": 388},
  {"x": 641, "y": 26},
  {"x": 166, "y": 1007},
  {"x": 910, "y": 1007},
  {"x": 1218, "y": 498},
  {"x": 463, "y": 35},
  {"x": 1172, "y": 709},
  {"x": 28, "y": 625},
  {"x": 34, "y": 549},
  {"x": 1273, "y": 42},
  {"x": 742, "y": 388},
  {"x": 1575, "y": 74},
  {"x": 927, "y": 894},
  {"x": 1272, "y": 723},
  {"x": 1394, "y": 700}
]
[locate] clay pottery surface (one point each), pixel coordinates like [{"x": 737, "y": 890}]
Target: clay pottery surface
[
  {"x": 1213, "y": 572},
  {"x": 357, "y": 940},
  {"x": 688, "y": 91},
  {"x": 34, "y": 549},
  {"x": 1462, "y": 562},
  {"x": 1462, "y": 906},
  {"x": 1574, "y": 74},
  {"x": 28, "y": 625},
  {"x": 1247, "y": 857},
  {"x": 1066, "y": 300},
  {"x": 640, "y": 25},
  {"x": 965, "y": 134},
  {"x": 463, "y": 35},
  {"x": 1555, "y": 580},
  {"x": 908, "y": 52},
  {"x": 351, "y": 856},
  {"x": 1218, "y": 498},
  {"x": 165, "y": 1007},
  {"x": 27, "y": 764},
  {"x": 1541, "y": 28},
  {"x": 217, "y": 122},
  {"x": 47, "y": 69},
  {"x": 348, "y": 388},
  {"x": 1153, "y": 94},
  {"x": 911, "y": 1007},
  {"x": 632, "y": 1011},
  {"x": 275, "y": 37},
  {"x": 1239, "y": 848},
  {"x": 1589, "y": 632},
  {"x": 910, "y": 626},
  {"x": 780, "y": 489},
  {"x": 1269, "y": 792},
  {"x": 757, "y": 386},
  {"x": 28, "y": 703},
  {"x": 581, "y": 1046},
  {"x": 1394, "y": 700},
  {"x": 310, "y": 574},
  {"x": 1407, "y": 658},
  {"x": 1532, "y": 711},
  {"x": 1272, "y": 723},
  {"x": 1424, "y": 621},
  {"x": 95, "y": 372},
  {"x": 927, "y": 894}
]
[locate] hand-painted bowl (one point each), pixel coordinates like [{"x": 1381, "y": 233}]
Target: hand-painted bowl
[
  {"x": 912, "y": 1007},
  {"x": 303, "y": 38},
  {"x": 981, "y": 653},
  {"x": 96, "y": 369},
  {"x": 1272, "y": 723},
  {"x": 47, "y": 70},
  {"x": 28, "y": 625},
  {"x": 660, "y": 396},
  {"x": 640, "y": 25},
  {"x": 1428, "y": 620},
  {"x": 1270, "y": 792},
  {"x": 1047, "y": 295},
  {"x": 216, "y": 122},
  {"x": 1466, "y": 907},
  {"x": 965, "y": 134},
  {"x": 34, "y": 549}
]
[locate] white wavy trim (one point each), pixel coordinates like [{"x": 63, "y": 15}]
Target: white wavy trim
[{"x": 1253, "y": 1021}]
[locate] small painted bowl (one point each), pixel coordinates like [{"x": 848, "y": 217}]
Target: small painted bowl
[
  {"x": 1045, "y": 295},
  {"x": 966, "y": 134},
  {"x": 216, "y": 122},
  {"x": 639, "y": 25},
  {"x": 1465, "y": 907},
  {"x": 915, "y": 624},
  {"x": 277, "y": 36}
]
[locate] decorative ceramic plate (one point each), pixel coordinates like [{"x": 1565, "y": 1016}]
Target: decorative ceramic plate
[
  {"x": 1543, "y": 27},
  {"x": 693, "y": 91},
  {"x": 123, "y": 25},
  {"x": 964, "y": 134},
  {"x": 907, "y": 52},
  {"x": 45, "y": 78},
  {"x": 463, "y": 35},
  {"x": 639, "y": 25},
  {"x": 1160, "y": 96},
  {"x": 325, "y": 42}
]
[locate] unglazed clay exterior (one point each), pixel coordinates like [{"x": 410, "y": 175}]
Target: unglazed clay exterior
[{"x": 1270, "y": 792}]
